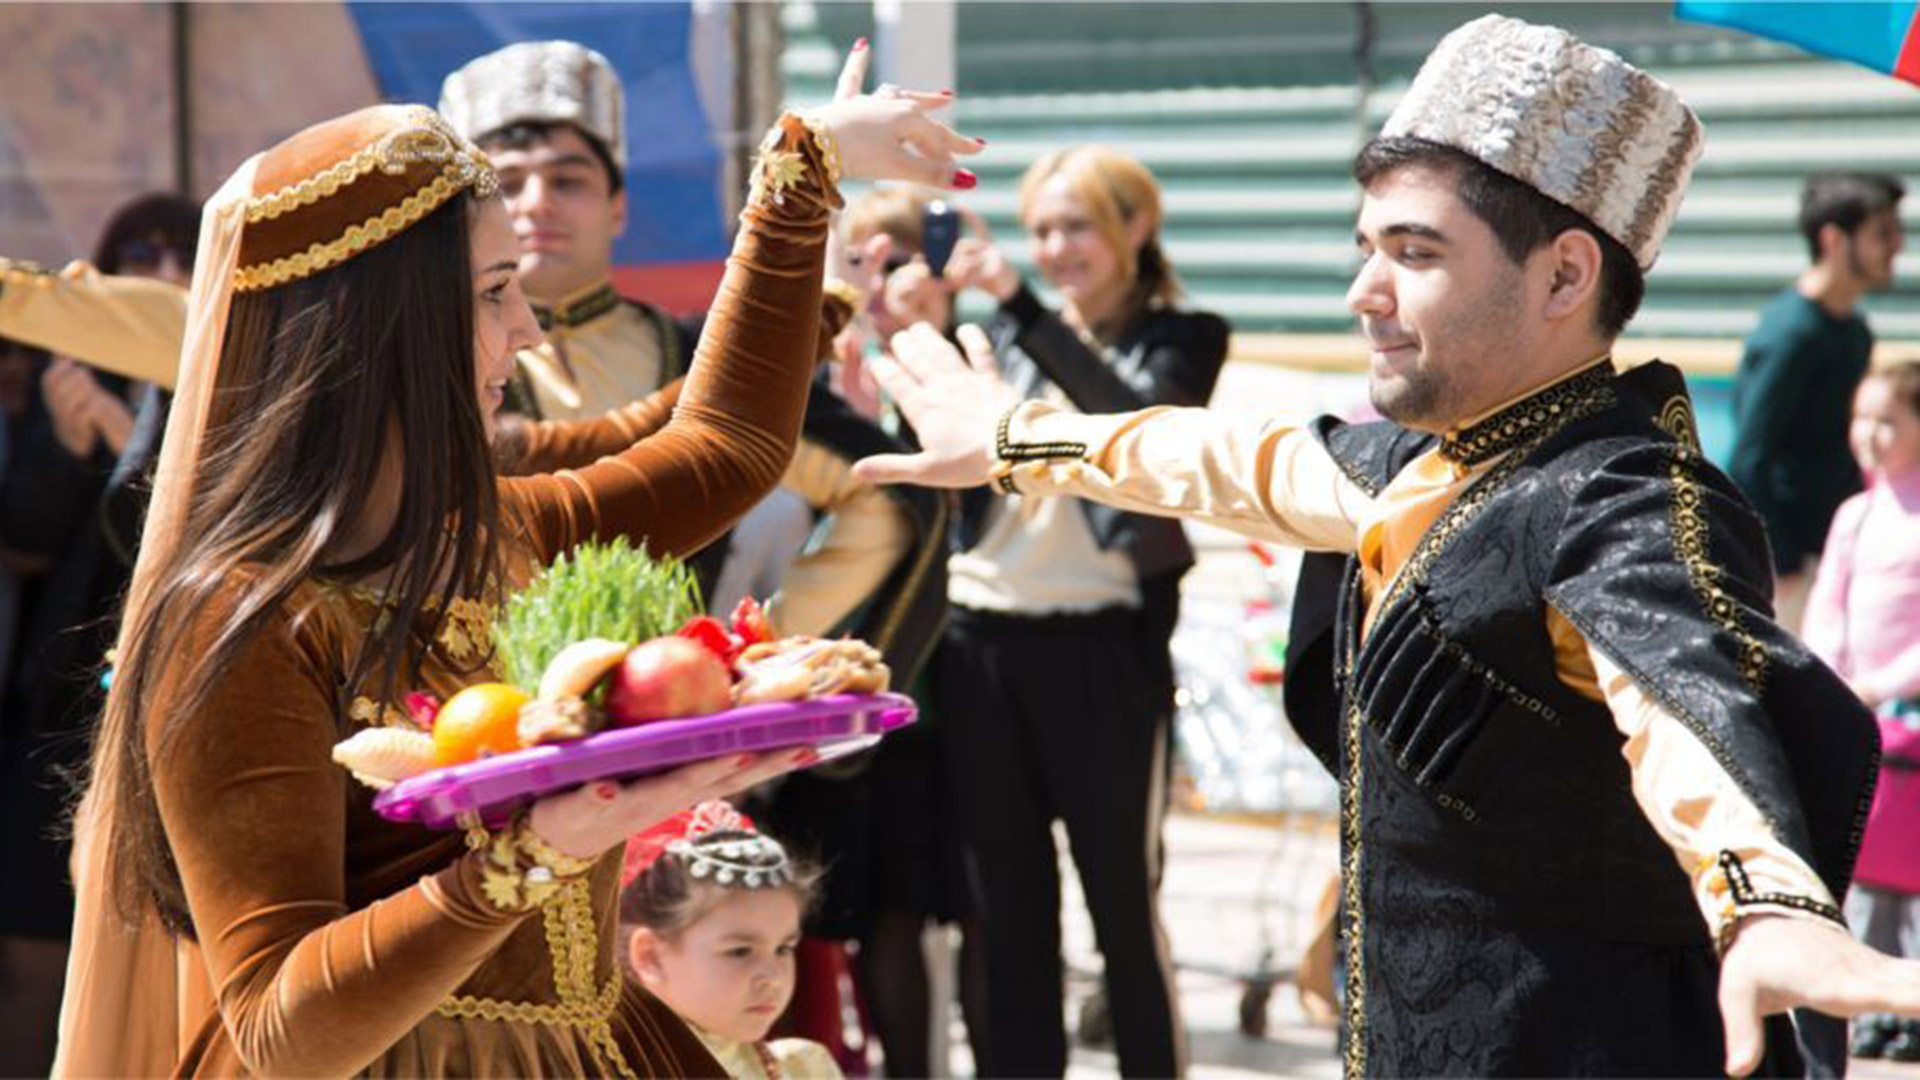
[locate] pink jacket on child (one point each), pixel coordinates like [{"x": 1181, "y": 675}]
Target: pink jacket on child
[{"x": 1863, "y": 619}]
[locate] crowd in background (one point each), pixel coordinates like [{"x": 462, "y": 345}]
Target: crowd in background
[{"x": 1034, "y": 633}]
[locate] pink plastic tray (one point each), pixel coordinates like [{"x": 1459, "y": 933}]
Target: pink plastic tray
[{"x": 494, "y": 787}]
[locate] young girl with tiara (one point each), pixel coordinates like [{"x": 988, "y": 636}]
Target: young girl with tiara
[{"x": 711, "y": 910}]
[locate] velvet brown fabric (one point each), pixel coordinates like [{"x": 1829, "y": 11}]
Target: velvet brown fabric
[
  {"x": 353, "y": 204},
  {"x": 329, "y": 938},
  {"x": 552, "y": 445}
]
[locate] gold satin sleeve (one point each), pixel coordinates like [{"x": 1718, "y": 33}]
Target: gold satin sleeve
[
  {"x": 738, "y": 416},
  {"x": 552, "y": 445},
  {"x": 126, "y": 325},
  {"x": 251, "y": 803},
  {"x": 867, "y": 534},
  {"x": 1691, "y": 801},
  {"x": 1259, "y": 478}
]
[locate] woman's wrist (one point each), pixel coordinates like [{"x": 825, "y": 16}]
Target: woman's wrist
[
  {"x": 800, "y": 156},
  {"x": 519, "y": 869}
]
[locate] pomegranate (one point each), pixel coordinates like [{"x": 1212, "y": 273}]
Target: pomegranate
[{"x": 666, "y": 678}]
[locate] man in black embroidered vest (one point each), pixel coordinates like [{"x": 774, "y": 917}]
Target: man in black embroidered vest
[{"x": 1594, "y": 802}]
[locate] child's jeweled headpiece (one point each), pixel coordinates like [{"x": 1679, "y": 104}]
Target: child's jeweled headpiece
[{"x": 717, "y": 843}]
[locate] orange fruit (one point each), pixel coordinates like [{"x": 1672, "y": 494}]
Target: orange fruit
[{"x": 476, "y": 722}]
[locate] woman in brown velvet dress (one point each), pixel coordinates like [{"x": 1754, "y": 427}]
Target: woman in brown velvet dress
[{"x": 326, "y": 533}]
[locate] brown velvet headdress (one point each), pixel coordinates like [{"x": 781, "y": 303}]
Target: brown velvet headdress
[{"x": 342, "y": 186}]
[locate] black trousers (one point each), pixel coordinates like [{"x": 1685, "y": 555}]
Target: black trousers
[{"x": 1064, "y": 718}]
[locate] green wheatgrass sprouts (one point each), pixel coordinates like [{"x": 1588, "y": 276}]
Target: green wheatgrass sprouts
[{"x": 613, "y": 590}]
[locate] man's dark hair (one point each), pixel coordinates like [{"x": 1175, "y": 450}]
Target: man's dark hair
[
  {"x": 527, "y": 134},
  {"x": 1522, "y": 219},
  {"x": 1846, "y": 199}
]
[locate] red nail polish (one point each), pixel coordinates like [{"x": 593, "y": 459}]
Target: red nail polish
[
  {"x": 965, "y": 180},
  {"x": 978, "y": 141},
  {"x": 946, "y": 93},
  {"x": 860, "y": 44},
  {"x": 605, "y": 791},
  {"x": 743, "y": 761}
]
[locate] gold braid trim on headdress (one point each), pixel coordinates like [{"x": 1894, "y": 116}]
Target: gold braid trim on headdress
[{"x": 462, "y": 165}]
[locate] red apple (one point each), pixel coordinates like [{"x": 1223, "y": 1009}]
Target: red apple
[{"x": 666, "y": 678}]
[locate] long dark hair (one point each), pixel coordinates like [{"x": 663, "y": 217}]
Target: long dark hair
[{"x": 316, "y": 377}]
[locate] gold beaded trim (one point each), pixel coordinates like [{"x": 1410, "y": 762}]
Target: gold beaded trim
[
  {"x": 358, "y": 238},
  {"x": 1690, "y": 542},
  {"x": 573, "y": 944},
  {"x": 775, "y": 170},
  {"x": 1515, "y": 424},
  {"x": 829, "y": 147},
  {"x": 466, "y": 629},
  {"x": 847, "y": 293},
  {"x": 367, "y": 711},
  {"x": 463, "y": 166},
  {"x": 520, "y": 872},
  {"x": 432, "y": 141},
  {"x": 1596, "y": 395},
  {"x": 1354, "y": 1052},
  {"x": 1731, "y": 877},
  {"x": 1007, "y": 453},
  {"x": 585, "y": 310}
]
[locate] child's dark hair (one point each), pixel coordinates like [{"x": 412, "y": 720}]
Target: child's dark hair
[{"x": 668, "y": 896}]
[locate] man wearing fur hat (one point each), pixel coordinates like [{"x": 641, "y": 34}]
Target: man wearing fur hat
[
  {"x": 551, "y": 114},
  {"x": 1597, "y": 808}
]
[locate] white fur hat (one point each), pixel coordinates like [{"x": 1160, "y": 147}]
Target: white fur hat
[
  {"x": 540, "y": 82},
  {"x": 1577, "y": 123}
]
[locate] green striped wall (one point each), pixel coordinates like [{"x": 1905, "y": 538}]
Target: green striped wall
[{"x": 1250, "y": 113}]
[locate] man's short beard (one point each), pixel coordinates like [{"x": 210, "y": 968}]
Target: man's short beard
[{"x": 1415, "y": 399}]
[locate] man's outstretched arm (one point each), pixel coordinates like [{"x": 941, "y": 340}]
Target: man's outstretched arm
[{"x": 1257, "y": 478}]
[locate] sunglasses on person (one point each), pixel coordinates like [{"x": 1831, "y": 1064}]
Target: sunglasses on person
[{"x": 138, "y": 255}]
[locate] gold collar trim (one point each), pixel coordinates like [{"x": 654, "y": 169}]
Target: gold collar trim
[
  {"x": 575, "y": 312},
  {"x": 1484, "y": 440}
]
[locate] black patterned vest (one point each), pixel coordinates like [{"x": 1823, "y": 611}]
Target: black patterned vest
[{"x": 1507, "y": 908}]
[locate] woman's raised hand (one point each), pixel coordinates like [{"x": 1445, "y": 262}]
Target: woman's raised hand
[{"x": 887, "y": 135}]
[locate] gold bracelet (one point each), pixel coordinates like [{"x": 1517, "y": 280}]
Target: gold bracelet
[
  {"x": 829, "y": 147},
  {"x": 519, "y": 871},
  {"x": 847, "y": 293}
]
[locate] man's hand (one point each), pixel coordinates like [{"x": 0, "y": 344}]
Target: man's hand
[
  {"x": 913, "y": 295},
  {"x": 977, "y": 263},
  {"x": 850, "y": 378},
  {"x": 952, "y": 403},
  {"x": 1778, "y": 962},
  {"x": 70, "y": 392},
  {"x": 112, "y": 419}
]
